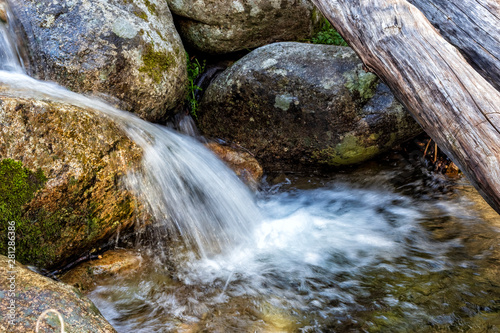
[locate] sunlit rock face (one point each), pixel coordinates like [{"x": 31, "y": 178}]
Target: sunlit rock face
[
  {"x": 246, "y": 167},
  {"x": 111, "y": 264},
  {"x": 129, "y": 50},
  {"x": 35, "y": 294},
  {"x": 77, "y": 200},
  {"x": 297, "y": 104},
  {"x": 216, "y": 27}
]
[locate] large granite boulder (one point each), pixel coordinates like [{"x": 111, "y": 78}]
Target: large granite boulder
[
  {"x": 215, "y": 26},
  {"x": 62, "y": 172},
  {"x": 296, "y": 104},
  {"x": 127, "y": 49},
  {"x": 26, "y": 295}
]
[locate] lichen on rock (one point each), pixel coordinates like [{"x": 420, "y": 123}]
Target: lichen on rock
[
  {"x": 127, "y": 50},
  {"x": 297, "y": 105},
  {"x": 156, "y": 63},
  {"x": 216, "y": 27}
]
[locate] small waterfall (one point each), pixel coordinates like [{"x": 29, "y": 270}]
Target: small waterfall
[
  {"x": 188, "y": 190},
  {"x": 9, "y": 59}
]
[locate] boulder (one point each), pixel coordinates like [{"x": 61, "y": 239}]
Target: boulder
[
  {"x": 62, "y": 172},
  {"x": 297, "y": 104},
  {"x": 216, "y": 27},
  {"x": 126, "y": 49},
  {"x": 26, "y": 295},
  {"x": 244, "y": 165}
]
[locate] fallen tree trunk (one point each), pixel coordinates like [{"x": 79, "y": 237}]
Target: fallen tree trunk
[
  {"x": 471, "y": 26},
  {"x": 453, "y": 103}
]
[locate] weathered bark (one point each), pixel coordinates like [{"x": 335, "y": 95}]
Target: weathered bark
[
  {"x": 471, "y": 26},
  {"x": 454, "y": 104}
]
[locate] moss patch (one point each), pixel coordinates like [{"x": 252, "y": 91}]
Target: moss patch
[
  {"x": 349, "y": 151},
  {"x": 141, "y": 14},
  {"x": 326, "y": 34},
  {"x": 18, "y": 186},
  {"x": 151, "y": 7},
  {"x": 156, "y": 63}
]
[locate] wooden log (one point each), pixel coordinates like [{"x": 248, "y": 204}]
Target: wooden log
[
  {"x": 453, "y": 103},
  {"x": 471, "y": 26}
]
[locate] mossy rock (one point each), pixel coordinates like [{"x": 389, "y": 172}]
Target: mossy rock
[
  {"x": 63, "y": 188},
  {"x": 298, "y": 105},
  {"x": 127, "y": 52}
]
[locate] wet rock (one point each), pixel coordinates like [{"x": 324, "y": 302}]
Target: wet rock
[
  {"x": 129, "y": 50},
  {"x": 112, "y": 263},
  {"x": 241, "y": 162},
  {"x": 216, "y": 27},
  {"x": 295, "y": 104},
  {"x": 33, "y": 294},
  {"x": 453, "y": 171},
  {"x": 63, "y": 187},
  {"x": 3, "y": 11}
]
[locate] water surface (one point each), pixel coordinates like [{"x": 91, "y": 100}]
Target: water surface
[{"x": 376, "y": 250}]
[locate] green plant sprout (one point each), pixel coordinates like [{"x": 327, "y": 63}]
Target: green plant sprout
[
  {"x": 328, "y": 35},
  {"x": 194, "y": 69}
]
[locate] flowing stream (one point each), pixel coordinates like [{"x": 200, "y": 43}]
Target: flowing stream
[
  {"x": 373, "y": 250},
  {"x": 188, "y": 190},
  {"x": 356, "y": 252}
]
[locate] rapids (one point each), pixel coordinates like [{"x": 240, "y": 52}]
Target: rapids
[{"x": 350, "y": 253}]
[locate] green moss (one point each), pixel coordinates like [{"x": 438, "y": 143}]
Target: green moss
[
  {"x": 349, "y": 151},
  {"x": 156, "y": 63},
  {"x": 161, "y": 36},
  {"x": 41, "y": 233},
  {"x": 140, "y": 14},
  {"x": 151, "y": 7},
  {"x": 327, "y": 35},
  {"x": 18, "y": 186}
]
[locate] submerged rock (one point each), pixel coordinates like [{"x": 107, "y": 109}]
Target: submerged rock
[
  {"x": 32, "y": 294},
  {"x": 216, "y": 27},
  {"x": 112, "y": 263},
  {"x": 129, "y": 50},
  {"x": 296, "y": 104},
  {"x": 76, "y": 200}
]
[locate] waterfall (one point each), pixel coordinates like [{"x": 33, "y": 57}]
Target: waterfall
[
  {"x": 9, "y": 60},
  {"x": 189, "y": 192}
]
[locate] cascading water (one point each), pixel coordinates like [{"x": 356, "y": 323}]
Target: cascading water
[
  {"x": 187, "y": 189},
  {"x": 354, "y": 254},
  {"x": 9, "y": 60}
]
